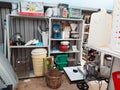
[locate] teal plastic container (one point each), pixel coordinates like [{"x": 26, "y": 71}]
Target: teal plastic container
[
  {"x": 61, "y": 58},
  {"x": 60, "y": 66},
  {"x": 61, "y": 61}
]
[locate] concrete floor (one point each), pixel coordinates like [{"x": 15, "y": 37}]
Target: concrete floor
[{"x": 40, "y": 84}]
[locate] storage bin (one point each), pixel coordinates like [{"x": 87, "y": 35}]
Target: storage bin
[
  {"x": 53, "y": 78},
  {"x": 61, "y": 65},
  {"x": 61, "y": 58},
  {"x": 37, "y": 58}
]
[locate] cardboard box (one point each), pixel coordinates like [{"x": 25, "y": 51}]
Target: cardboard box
[{"x": 29, "y": 8}]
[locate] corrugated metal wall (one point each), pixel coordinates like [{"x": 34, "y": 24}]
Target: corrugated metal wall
[
  {"x": 5, "y": 9},
  {"x": 27, "y": 27},
  {"x": 3, "y": 13}
]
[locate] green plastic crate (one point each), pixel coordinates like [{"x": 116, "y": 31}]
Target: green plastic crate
[
  {"x": 60, "y": 66},
  {"x": 61, "y": 58}
]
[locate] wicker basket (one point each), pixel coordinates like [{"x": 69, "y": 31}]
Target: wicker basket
[{"x": 53, "y": 78}]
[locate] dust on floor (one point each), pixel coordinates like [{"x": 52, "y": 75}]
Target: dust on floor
[{"x": 40, "y": 84}]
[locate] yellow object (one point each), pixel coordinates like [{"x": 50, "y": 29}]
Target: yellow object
[
  {"x": 37, "y": 58},
  {"x": 31, "y": 8},
  {"x": 48, "y": 63}
]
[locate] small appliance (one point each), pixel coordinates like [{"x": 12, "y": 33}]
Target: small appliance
[{"x": 56, "y": 31}]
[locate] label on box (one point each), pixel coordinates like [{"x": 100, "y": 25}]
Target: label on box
[{"x": 32, "y": 8}]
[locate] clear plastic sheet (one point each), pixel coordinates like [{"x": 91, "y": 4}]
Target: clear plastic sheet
[{"x": 6, "y": 72}]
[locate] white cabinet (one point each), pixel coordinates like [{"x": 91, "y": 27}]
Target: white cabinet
[{"x": 74, "y": 48}]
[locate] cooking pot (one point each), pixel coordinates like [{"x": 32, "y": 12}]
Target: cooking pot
[{"x": 63, "y": 48}]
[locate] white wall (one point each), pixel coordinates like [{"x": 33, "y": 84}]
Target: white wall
[{"x": 107, "y": 4}]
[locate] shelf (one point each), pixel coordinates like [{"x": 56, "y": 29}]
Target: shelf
[
  {"x": 27, "y": 46},
  {"x": 86, "y": 32},
  {"x": 64, "y": 39},
  {"x": 31, "y": 75},
  {"x": 54, "y": 52},
  {"x": 87, "y": 24},
  {"x": 106, "y": 50},
  {"x": 28, "y": 26},
  {"x": 70, "y": 19},
  {"x": 23, "y": 16}
]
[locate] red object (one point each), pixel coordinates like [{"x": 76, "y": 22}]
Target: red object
[
  {"x": 30, "y": 14},
  {"x": 116, "y": 80},
  {"x": 10, "y": 43},
  {"x": 63, "y": 48}
]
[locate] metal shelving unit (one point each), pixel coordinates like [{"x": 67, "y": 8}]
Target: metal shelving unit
[
  {"x": 27, "y": 26},
  {"x": 76, "y": 54},
  {"x": 86, "y": 15}
]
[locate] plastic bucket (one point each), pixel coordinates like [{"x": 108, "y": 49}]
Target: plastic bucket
[{"x": 37, "y": 59}]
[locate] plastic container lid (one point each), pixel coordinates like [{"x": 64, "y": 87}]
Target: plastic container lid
[
  {"x": 65, "y": 42},
  {"x": 39, "y": 51}
]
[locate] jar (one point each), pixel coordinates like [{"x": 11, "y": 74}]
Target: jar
[{"x": 64, "y": 13}]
